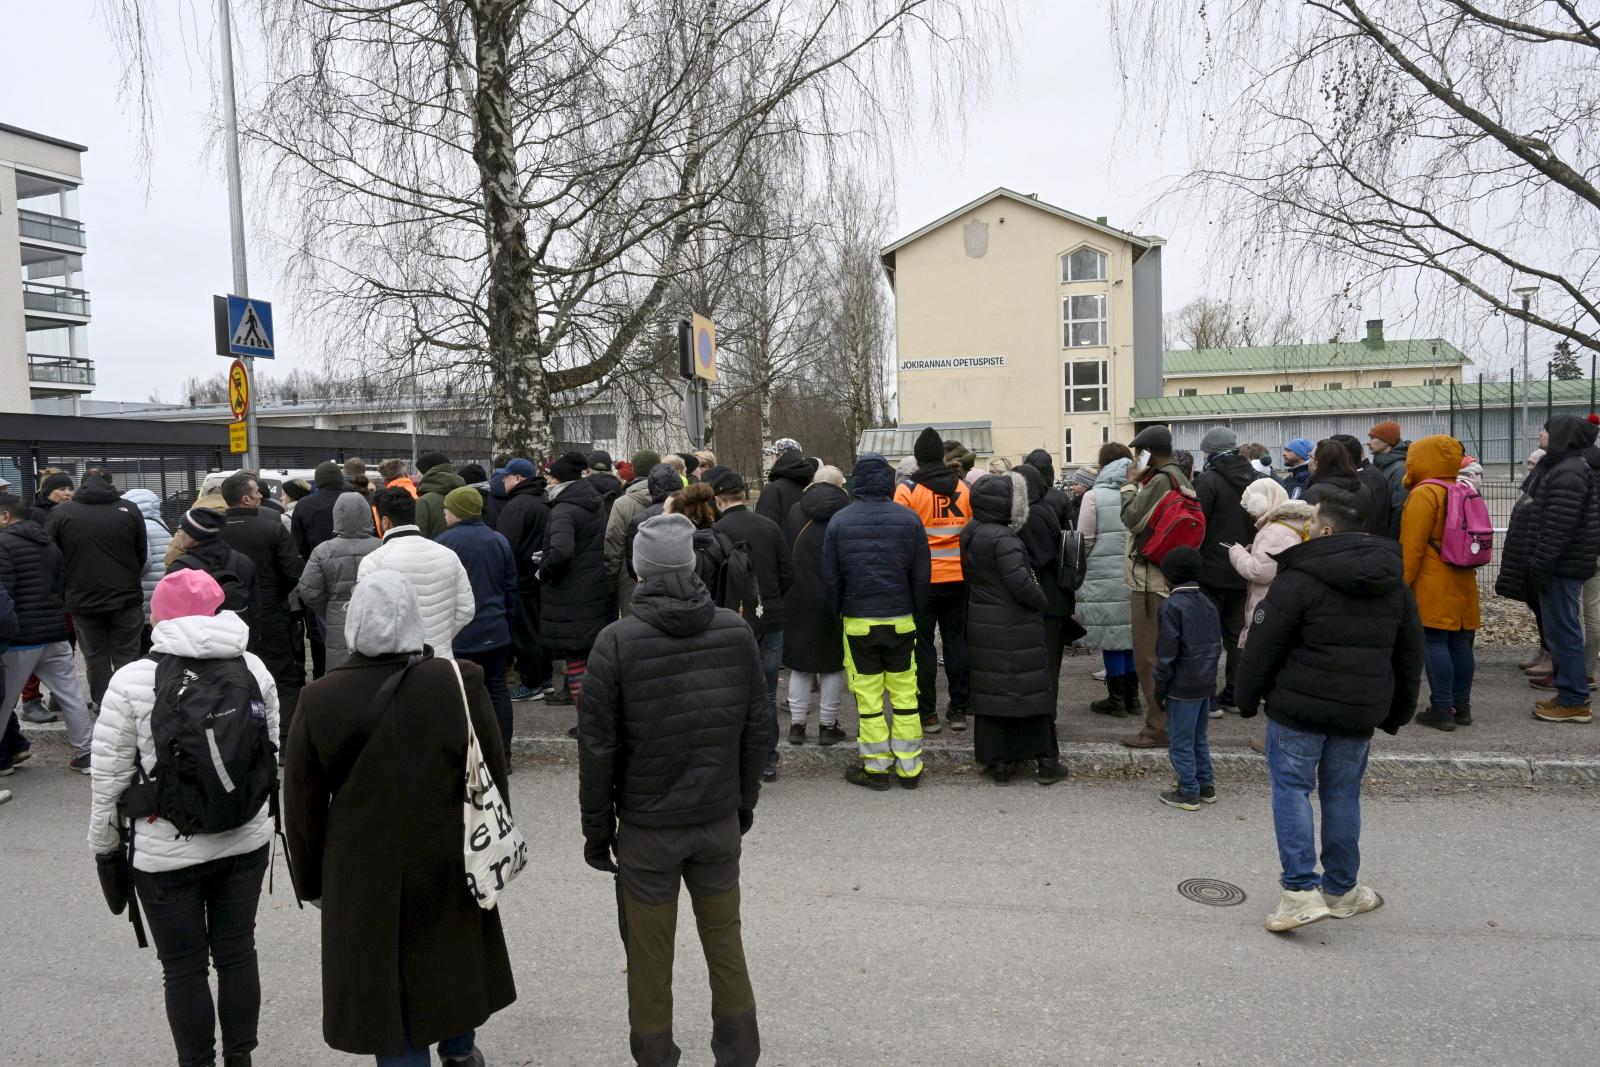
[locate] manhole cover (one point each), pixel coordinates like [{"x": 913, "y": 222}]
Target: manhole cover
[{"x": 1210, "y": 891}]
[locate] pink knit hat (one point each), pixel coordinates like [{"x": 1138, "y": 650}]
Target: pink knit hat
[{"x": 185, "y": 592}]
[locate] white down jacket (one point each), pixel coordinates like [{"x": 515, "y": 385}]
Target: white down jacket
[
  {"x": 444, "y": 592},
  {"x": 156, "y": 536},
  {"x": 123, "y": 731}
]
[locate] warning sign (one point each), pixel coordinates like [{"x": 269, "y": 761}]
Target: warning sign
[
  {"x": 238, "y": 390},
  {"x": 238, "y": 439}
]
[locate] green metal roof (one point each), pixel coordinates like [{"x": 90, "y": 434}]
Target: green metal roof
[
  {"x": 1298, "y": 359},
  {"x": 1312, "y": 401}
]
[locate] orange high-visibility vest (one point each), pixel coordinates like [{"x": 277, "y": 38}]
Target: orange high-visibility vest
[{"x": 941, "y": 524}]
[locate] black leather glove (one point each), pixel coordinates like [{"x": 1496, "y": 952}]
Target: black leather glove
[
  {"x": 747, "y": 819},
  {"x": 115, "y": 880},
  {"x": 597, "y": 854}
]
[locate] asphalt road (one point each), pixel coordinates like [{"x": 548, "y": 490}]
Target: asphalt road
[{"x": 960, "y": 924}]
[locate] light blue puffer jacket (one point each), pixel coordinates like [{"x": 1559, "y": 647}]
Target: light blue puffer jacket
[
  {"x": 1103, "y": 605},
  {"x": 158, "y": 538}
]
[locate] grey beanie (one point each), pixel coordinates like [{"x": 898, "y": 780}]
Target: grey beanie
[
  {"x": 665, "y": 543},
  {"x": 1084, "y": 476},
  {"x": 1218, "y": 439}
]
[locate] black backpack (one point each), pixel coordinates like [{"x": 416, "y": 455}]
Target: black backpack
[
  {"x": 216, "y": 764},
  {"x": 724, "y": 566}
]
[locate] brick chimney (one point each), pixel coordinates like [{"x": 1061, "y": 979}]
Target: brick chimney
[{"x": 1374, "y": 333}]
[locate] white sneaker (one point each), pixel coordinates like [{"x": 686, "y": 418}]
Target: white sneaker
[
  {"x": 5, "y": 795},
  {"x": 1361, "y": 898},
  {"x": 1099, "y": 675},
  {"x": 1216, "y": 712},
  {"x": 1297, "y": 907}
]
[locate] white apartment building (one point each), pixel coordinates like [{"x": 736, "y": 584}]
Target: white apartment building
[{"x": 44, "y": 307}]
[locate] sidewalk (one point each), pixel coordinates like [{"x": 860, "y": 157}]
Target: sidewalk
[{"x": 1504, "y": 746}]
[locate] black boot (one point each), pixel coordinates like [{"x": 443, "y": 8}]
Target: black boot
[
  {"x": 1113, "y": 703},
  {"x": 1463, "y": 714},
  {"x": 237, "y": 1059},
  {"x": 1438, "y": 718},
  {"x": 1051, "y": 771},
  {"x": 1130, "y": 693}
]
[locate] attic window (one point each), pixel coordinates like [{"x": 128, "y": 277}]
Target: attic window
[{"x": 1083, "y": 265}]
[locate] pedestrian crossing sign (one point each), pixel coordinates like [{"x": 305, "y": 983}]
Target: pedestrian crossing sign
[{"x": 250, "y": 328}]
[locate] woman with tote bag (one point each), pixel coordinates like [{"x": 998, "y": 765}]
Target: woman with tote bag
[{"x": 374, "y": 777}]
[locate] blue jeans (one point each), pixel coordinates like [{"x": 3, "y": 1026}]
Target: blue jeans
[
  {"x": 1450, "y": 667},
  {"x": 1189, "y": 750},
  {"x": 458, "y": 1047},
  {"x": 771, "y": 664},
  {"x": 1118, "y": 661},
  {"x": 1300, "y": 761},
  {"x": 1561, "y": 609}
]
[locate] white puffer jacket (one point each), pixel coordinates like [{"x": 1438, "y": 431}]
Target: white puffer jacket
[
  {"x": 123, "y": 730},
  {"x": 156, "y": 536},
  {"x": 444, "y": 592}
]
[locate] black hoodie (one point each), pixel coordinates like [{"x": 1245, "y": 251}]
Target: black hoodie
[
  {"x": 1055, "y": 498},
  {"x": 1220, "y": 486},
  {"x": 1336, "y": 647},
  {"x": 787, "y": 479},
  {"x": 102, "y": 540},
  {"x": 655, "y": 748}
]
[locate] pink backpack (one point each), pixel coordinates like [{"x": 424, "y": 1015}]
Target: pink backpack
[{"x": 1468, "y": 532}]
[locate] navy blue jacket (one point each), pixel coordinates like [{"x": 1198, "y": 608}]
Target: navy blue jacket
[
  {"x": 492, "y": 569},
  {"x": 875, "y": 555},
  {"x": 1189, "y": 645},
  {"x": 1295, "y": 481}
]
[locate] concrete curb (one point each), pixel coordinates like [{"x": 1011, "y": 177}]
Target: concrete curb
[{"x": 1098, "y": 760}]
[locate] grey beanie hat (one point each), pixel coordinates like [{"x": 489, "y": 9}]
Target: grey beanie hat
[
  {"x": 1218, "y": 439},
  {"x": 1084, "y": 476},
  {"x": 665, "y": 543}
]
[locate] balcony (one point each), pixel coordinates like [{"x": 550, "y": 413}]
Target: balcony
[
  {"x": 55, "y": 299},
  {"x": 37, "y": 226},
  {"x": 68, "y": 372}
]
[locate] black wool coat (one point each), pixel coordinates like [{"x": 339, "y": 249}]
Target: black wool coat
[
  {"x": 524, "y": 520},
  {"x": 1007, "y": 661},
  {"x": 575, "y": 596},
  {"x": 674, "y": 725},
  {"x": 102, "y": 539},
  {"x": 813, "y": 636},
  {"x": 1336, "y": 647},
  {"x": 380, "y": 846},
  {"x": 31, "y": 570},
  {"x": 1219, "y": 488}
]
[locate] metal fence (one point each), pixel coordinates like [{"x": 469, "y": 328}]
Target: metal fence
[{"x": 173, "y": 459}]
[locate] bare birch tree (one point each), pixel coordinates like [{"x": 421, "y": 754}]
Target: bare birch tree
[
  {"x": 1211, "y": 322},
  {"x": 1347, "y": 147}
]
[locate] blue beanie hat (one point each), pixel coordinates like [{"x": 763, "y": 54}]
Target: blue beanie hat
[{"x": 1300, "y": 447}]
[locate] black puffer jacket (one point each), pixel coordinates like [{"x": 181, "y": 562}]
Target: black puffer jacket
[
  {"x": 1353, "y": 484},
  {"x": 1336, "y": 647},
  {"x": 524, "y": 519},
  {"x": 1219, "y": 488},
  {"x": 31, "y": 570},
  {"x": 1188, "y": 645},
  {"x": 813, "y": 636},
  {"x": 763, "y": 540},
  {"x": 661, "y": 747},
  {"x": 103, "y": 546},
  {"x": 232, "y": 570},
  {"x": 575, "y": 596},
  {"x": 1566, "y": 509},
  {"x": 788, "y": 478},
  {"x": 1058, "y": 500},
  {"x": 1006, "y": 657},
  {"x": 259, "y": 536},
  {"x": 875, "y": 558}
]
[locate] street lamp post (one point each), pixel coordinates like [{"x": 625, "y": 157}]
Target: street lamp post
[
  {"x": 251, "y": 459},
  {"x": 1526, "y": 292}
]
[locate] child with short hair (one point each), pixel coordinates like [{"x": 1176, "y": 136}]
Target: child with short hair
[{"x": 1187, "y": 650}]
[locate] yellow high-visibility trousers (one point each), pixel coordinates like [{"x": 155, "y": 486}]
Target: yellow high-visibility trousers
[{"x": 880, "y": 657}]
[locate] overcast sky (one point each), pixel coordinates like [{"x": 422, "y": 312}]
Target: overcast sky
[{"x": 158, "y": 238}]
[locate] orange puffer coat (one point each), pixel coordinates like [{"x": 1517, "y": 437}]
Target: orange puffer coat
[{"x": 1447, "y": 597}]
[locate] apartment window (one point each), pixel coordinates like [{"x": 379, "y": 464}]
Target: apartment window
[
  {"x": 1236, "y": 390},
  {"x": 1283, "y": 388},
  {"x": 1066, "y": 449},
  {"x": 1105, "y": 434},
  {"x": 1383, "y": 383},
  {"x": 1334, "y": 385},
  {"x": 1084, "y": 321},
  {"x": 1088, "y": 386},
  {"x": 1435, "y": 381},
  {"x": 1084, "y": 265},
  {"x": 1188, "y": 392}
]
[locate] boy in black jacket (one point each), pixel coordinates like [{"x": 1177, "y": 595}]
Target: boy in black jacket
[
  {"x": 1187, "y": 650},
  {"x": 1335, "y": 650}
]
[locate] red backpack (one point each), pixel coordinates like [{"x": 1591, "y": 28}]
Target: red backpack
[
  {"x": 1176, "y": 522},
  {"x": 1468, "y": 539}
]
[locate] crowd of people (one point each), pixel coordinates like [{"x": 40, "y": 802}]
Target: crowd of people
[{"x": 662, "y": 601}]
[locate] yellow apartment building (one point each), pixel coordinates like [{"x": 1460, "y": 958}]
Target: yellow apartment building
[
  {"x": 1021, "y": 325},
  {"x": 1372, "y": 362}
]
